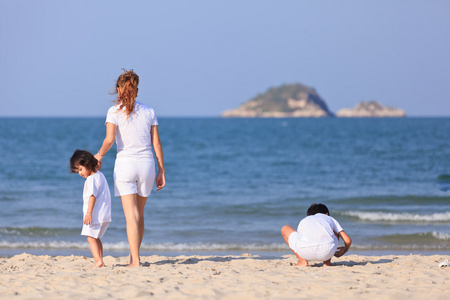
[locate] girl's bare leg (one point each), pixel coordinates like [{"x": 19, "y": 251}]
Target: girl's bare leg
[
  {"x": 97, "y": 251},
  {"x": 130, "y": 209},
  {"x": 285, "y": 232}
]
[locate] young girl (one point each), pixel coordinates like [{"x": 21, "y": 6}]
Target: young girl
[{"x": 96, "y": 202}]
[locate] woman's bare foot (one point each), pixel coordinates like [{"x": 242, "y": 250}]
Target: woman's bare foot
[{"x": 133, "y": 265}]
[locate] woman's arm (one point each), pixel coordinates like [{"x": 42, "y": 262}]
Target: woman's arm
[
  {"x": 160, "y": 177},
  {"x": 107, "y": 142},
  {"x": 347, "y": 241}
]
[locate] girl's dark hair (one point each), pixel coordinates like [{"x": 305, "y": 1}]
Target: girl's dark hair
[
  {"x": 316, "y": 208},
  {"x": 83, "y": 158}
]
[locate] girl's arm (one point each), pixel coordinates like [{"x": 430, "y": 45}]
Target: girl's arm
[
  {"x": 160, "y": 177},
  {"x": 107, "y": 142},
  {"x": 88, "y": 217},
  {"x": 347, "y": 241}
]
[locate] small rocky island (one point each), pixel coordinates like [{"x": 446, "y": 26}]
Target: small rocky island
[
  {"x": 371, "y": 109},
  {"x": 289, "y": 100},
  {"x": 300, "y": 101}
]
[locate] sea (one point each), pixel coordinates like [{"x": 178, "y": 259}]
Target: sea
[{"x": 233, "y": 183}]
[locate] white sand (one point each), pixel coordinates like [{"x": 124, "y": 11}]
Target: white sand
[{"x": 28, "y": 276}]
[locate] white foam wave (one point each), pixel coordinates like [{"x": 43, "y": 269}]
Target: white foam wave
[
  {"x": 398, "y": 217},
  {"x": 214, "y": 247},
  {"x": 44, "y": 245},
  {"x": 123, "y": 246},
  {"x": 406, "y": 247},
  {"x": 199, "y": 247},
  {"x": 441, "y": 235}
]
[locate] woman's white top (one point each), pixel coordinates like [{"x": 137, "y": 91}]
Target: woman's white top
[{"x": 133, "y": 137}]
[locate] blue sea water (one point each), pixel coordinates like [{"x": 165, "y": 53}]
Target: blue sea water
[{"x": 233, "y": 183}]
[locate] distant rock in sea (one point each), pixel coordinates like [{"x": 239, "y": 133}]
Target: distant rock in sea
[
  {"x": 371, "y": 109},
  {"x": 289, "y": 100}
]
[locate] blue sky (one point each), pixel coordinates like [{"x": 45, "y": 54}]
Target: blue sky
[{"x": 199, "y": 58}]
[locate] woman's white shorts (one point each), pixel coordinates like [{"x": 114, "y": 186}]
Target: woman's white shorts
[
  {"x": 95, "y": 230},
  {"x": 316, "y": 253},
  {"x": 134, "y": 177}
]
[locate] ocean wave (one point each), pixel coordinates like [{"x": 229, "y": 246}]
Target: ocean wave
[
  {"x": 441, "y": 235},
  {"x": 37, "y": 231},
  {"x": 443, "y": 182},
  {"x": 43, "y": 245},
  {"x": 214, "y": 247},
  {"x": 123, "y": 246},
  {"x": 412, "y": 245},
  {"x": 405, "y": 247},
  {"x": 422, "y": 238},
  {"x": 393, "y": 200},
  {"x": 398, "y": 217}
]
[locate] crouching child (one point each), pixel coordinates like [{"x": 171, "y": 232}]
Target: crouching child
[{"x": 316, "y": 237}]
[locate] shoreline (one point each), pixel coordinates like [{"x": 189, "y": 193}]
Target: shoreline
[
  {"x": 7, "y": 253},
  {"x": 26, "y": 276}
]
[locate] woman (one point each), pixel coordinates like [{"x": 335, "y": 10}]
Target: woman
[{"x": 134, "y": 127}]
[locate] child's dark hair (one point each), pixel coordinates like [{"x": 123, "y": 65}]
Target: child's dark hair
[
  {"x": 316, "y": 208},
  {"x": 83, "y": 158}
]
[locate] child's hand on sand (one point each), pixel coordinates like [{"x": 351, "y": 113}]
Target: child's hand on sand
[
  {"x": 88, "y": 219},
  {"x": 340, "y": 251}
]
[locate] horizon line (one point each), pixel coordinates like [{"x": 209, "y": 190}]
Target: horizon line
[{"x": 219, "y": 116}]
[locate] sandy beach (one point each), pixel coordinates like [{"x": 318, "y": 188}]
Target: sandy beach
[{"x": 247, "y": 276}]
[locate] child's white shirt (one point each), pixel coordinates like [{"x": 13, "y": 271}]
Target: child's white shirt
[
  {"x": 318, "y": 229},
  {"x": 97, "y": 186}
]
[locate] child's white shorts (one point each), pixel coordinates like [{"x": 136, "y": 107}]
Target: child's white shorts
[
  {"x": 316, "y": 253},
  {"x": 95, "y": 230},
  {"x": 134, "y": 177}
]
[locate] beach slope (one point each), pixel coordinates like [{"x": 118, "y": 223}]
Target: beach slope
[{"x": 28, "y": 276}]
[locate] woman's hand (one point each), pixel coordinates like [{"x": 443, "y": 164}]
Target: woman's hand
[
  {"x": 107, "y": 143},
  {"x": 160, "y": 181},
  {"x": 98, "y": 157},
  {"x": 160, "y": 177}
]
